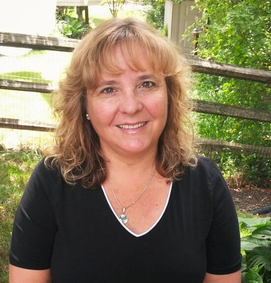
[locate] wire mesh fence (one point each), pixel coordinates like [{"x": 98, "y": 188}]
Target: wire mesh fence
[{"x": 35, "y": 67}]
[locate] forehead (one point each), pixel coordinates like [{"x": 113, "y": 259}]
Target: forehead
[
  {"x": 128, "y": 55},
  {"x": 122, "y": 56},
  {"x": 138, "y": 67},
  {"x": 136, "y": 59}
]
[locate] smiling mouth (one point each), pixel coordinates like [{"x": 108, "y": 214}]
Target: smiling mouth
[{"x": 132, "y": 127}]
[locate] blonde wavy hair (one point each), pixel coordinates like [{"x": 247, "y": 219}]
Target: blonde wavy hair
[{"x": 77, "y": 151}]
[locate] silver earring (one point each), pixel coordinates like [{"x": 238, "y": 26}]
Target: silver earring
[{"x": 87, "y": 116}]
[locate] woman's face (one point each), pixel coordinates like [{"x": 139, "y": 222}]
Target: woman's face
[{"x": 128, "y": 110}]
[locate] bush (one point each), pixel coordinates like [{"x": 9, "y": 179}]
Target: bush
[
  {"x": 68, "y": 25},
  {"x": 155, "y": 15},
  {"x": 237, "y": 33},
  {"x": 256, "y": 247},
  {"x": 240, "y": 170}
]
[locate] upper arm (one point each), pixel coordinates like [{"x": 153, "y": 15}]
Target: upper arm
[
  {"x": 227, "y": 278},
  {"x": 223, "y": 241},
  {"x": 22, "y": 275},
  {"x": 35, "y": 227}
]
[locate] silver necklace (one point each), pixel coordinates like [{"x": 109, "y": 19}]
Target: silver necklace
[{"x": 123, "y": 216}]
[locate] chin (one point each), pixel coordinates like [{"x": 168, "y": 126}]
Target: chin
[{"x": 139, "y": 149}]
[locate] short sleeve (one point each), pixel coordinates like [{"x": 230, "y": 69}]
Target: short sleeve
[
  {"x": 223, "y": 241},
  {"x": 34, "y": 226}
]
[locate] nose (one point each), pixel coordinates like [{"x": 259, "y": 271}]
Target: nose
[{"x": 130, "y": 103}]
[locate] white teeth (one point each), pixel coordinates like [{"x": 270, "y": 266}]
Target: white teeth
[{"x": 130, "y": 127}]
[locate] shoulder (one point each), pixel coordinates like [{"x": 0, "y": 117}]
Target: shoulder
[
  {"x": 43, "y": 168},
  {"x": 44, "y": 182},
  {"x": 205, "y": 177},
  {"x": 205, "y": 169},
  {"x": 205, "y": 164},
  {"x": 43, "y": 173}
]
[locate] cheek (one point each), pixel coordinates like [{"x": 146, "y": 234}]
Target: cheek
[
  {"x": 160, "y": 108},
  {"x": 93, "y": 113},
  {"x": 100, "y": 114}
]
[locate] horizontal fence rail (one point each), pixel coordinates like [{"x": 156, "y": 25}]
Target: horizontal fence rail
[
  {"x": 200, "y": 106},
  {"x": 229, "y": 71},
  {"x": 214, "y": 108},
  {"x": 246, "y": 149},
  {"x": 208, "y": 144},
  {"x": 27, "y": 86},
  {"x": 18, "y": 124},
  {"x": 200, "y": 66},
  {"x": 37, "y": 42}
]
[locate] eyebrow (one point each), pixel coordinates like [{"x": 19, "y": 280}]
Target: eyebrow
[
  {"x": 147, "y": 76},
  {"x": 106, "y": 83},
  {"x": 114, "y": 82}
]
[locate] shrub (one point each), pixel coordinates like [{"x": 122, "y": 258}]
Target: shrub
[
  {"x": 68, "y": 25},
  {"x": 256, "y": 247}
]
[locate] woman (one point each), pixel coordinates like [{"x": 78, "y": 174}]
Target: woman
[{"x": 122, "y": 198}]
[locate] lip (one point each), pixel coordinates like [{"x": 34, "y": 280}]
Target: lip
[{"x": 134, "y": 126}]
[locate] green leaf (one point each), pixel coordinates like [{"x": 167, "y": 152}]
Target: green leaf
[
  {"x": 259, "y": 257},
  {"x": 253, "y": 277},
  {"x": 263, "y": 232},
  {"x": 249, "y": 243},
  {"x": 254, "y": 222}
]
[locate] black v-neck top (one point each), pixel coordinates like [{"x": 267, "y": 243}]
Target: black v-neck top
[{"x": 74, "y": 232}]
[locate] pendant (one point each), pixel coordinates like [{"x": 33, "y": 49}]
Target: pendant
[{"x": 123, "y": 217}]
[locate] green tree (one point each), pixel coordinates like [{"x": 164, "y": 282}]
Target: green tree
[
  {"x": 239, "y": 28},
  {"x": 114, "y": 6},
  {"x": 155, "y": 15},
  {"x": 236, "y": 32}
]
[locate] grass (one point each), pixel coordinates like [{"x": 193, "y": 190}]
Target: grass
[
  {"x": 17, "y": 165},
  {"x": 15, "y": 169},
  {"x": 35, "y": 77},
  {"x": 25, "y": 106},
  {"x": 18, "y": 148},
  {"x": 36, "y": 66},
  {"x": 45, "y": 67}
]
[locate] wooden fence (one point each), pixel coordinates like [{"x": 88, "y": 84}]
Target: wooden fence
[{"x": 200, "y": 66}]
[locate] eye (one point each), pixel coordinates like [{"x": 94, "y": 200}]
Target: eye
[
  {"x": 147, "y": 84},
  {"x": 108, "y": 90}
]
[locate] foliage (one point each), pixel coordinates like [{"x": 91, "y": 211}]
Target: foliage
[
  {"x": 68, "y": 25},
  {"x": 15, "y": 169},
  {"x": 114, "y": 6},
  {"x": 256, "y": 264},
  {"x": 240, "y": 169},
  {"x": 242, "y": 29},
  {"x": 238, "y": 33},
  {"x": 178, "y": 1},
  {"x": 155, "y": 15}
]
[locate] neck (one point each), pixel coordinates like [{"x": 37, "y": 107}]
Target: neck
[
  {"x": 130, "y": 168},
  {"x": 131, "y": 165},
  {"x": 130, "y": 177}
]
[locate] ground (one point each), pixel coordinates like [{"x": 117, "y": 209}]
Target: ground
[{"x": 248, "y": 199}]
